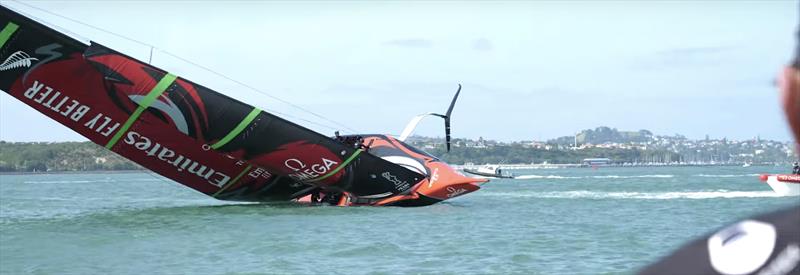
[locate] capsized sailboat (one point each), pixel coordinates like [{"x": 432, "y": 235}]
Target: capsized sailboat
[{"x": 205, "y": 140}]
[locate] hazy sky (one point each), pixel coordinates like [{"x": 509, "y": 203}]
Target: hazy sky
[{"x": 530, "y": 70}]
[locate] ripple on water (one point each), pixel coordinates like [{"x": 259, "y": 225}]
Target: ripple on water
[{"x": 569, "y": 221}]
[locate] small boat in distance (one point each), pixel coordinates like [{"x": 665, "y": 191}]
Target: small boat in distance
[
  {"x": 490, "y": 170},
  {"x": 784, "y": 185}
]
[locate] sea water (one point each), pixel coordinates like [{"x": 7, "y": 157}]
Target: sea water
[{"x": 550, "y": 221}]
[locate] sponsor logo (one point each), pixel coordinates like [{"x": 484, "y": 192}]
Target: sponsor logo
[
  {"x": 303, "y": 171},
  {"x": 49, "y": 51},
  {"x": 259, "y": 172},
  {"x": 168, "y": 108},
  {"x": 18, "y": 59},
  {"x": 302, "y": 161},
  {"x": 52, "y": 99},
  {"x": 180, "y": 162},
  {"x": 793, "y": 178},
  {"x": 72, "y": 109},
  {"x": 454, "y": 192},
  {"x": 399, "y": 185},
  {"x": 434, "y": 177}
]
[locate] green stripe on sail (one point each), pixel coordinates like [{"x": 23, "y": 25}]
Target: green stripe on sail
[
  {"x": 6, "y": 33},
  {"x": 234, "y": 180},
  {"x": 339, "y": 168},
  {"x": 159, "y": 89},
  {"x": 239, "y": 128}
]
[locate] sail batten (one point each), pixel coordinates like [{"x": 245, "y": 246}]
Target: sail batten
[
  {"x": 6, "y": 33},
  {"x": 159, "y": 89},
  {"x": 238, "y": 129}
]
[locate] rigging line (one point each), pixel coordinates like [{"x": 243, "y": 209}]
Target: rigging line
[
  {"x": 258, "y": 90},
  {"x": 82, "y": 23},
  {"x": 150, "y": 60},
  {"x": 51, "y": 25},
  {"x": 285, "y": 115},
  {"x": 288, "y": 116},
  {"x": 184, "y": 60}
]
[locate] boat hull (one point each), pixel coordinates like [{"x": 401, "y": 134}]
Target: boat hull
[
  {"x": 785, "y": 185},
  {"x": 476, "y": 172}
]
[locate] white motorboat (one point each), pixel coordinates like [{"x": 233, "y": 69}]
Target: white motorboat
[
  {"x": 490, "y": 170},
  {"x": 784, "y": 185}
]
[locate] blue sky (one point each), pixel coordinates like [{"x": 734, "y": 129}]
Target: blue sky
[{"x": 530, "y": 70}]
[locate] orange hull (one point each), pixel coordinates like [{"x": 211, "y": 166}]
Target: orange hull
[{"x": 441, "y": 181}]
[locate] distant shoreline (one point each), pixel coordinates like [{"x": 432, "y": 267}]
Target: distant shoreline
[
  {"x": 73, "y": 172},
  {"x": 563, "y": 166},
  {"x": 456, "y": 166}
]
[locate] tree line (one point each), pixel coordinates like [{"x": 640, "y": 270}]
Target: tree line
[
  {"x": 59, "y": 156},
  {"x": 517, "y": 153},
  {"x": 87, "y": 156}
]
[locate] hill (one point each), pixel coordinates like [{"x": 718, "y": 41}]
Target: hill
[{"x": 603, "y": 142}]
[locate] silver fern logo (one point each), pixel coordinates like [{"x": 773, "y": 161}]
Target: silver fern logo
[{"x": 18, "y": 59}]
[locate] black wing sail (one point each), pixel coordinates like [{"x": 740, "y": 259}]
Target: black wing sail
[{"x": 198, "y": 137}]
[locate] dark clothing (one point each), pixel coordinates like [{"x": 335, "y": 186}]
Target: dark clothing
[
  {"x": 796, "y": 60},
  {"x": 315, "y": 197},
  {"x": 769, "y": 242},
  {"x": 332, "y": 198}
]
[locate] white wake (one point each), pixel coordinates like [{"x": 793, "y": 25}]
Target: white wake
[
  {"x": 636, "y": 195},
  {"x": 526, "y": 177},
  {"x": 726, "y": 176}
]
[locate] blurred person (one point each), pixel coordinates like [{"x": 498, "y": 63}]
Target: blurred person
[{"x": 767, "y": 244}]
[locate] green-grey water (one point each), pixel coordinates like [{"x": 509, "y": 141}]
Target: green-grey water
[{"x": 553, "y": 221}]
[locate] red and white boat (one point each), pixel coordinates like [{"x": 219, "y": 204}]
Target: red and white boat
[{"x": 784, "y": 185}]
